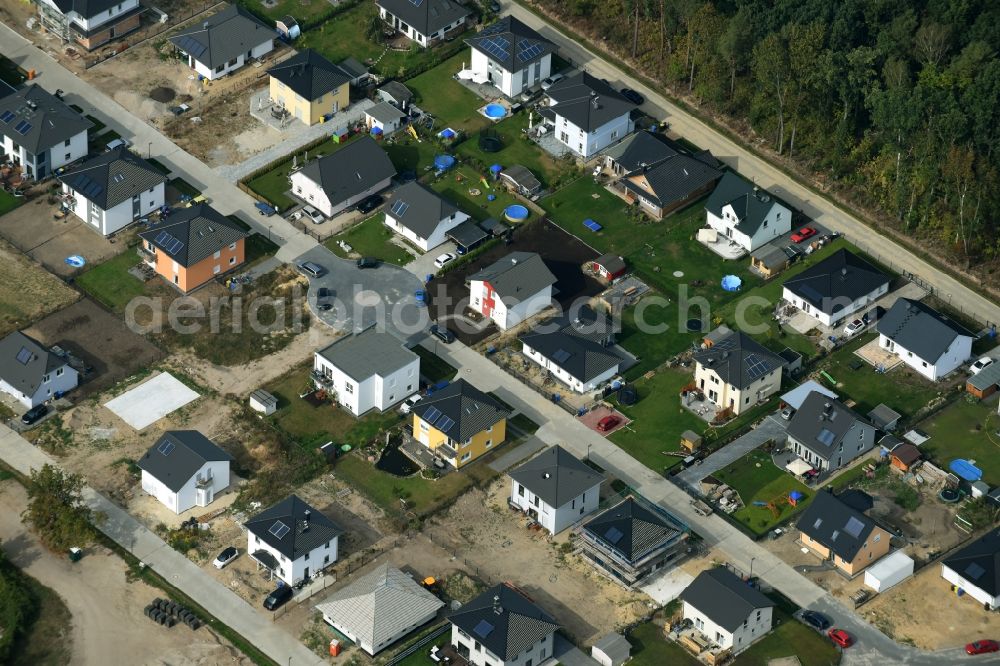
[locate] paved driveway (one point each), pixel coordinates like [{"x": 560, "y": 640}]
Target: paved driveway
[
  {"x": 423, "y": 265},
  {"x": 773, "y": 427}
]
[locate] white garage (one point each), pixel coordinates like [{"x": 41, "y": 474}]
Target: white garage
[{"x": 889, "y": 571}]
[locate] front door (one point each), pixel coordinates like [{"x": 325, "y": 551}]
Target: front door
[{"x": 305, "y": 574}]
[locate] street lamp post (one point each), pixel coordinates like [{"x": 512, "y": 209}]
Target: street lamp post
[
  {"x": 149, "y": 150},
  {"x": 751, "y": 567}
]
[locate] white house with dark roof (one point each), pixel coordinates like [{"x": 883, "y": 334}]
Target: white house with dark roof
[
  {"x": 578, "y": 353},
  {"x": 588, "y": 114},
  {"x": 343, "y": 178},
  {"x": 835, "y": 288},
  {"x": 512, "y": 289},
  {"x": 726, "y": 610},
  {"x": 368, "y": 370},
  {"x": 39, "y": 132},
  {"x": 380, "y": 608},
  {"x": 90, "y": 23},
  {"x": 184, "y": 469},
  {"x": 926, "y": 340},
  {"x": 224, "y": 42},
  {"x": 112, "y": 190},
  {"x": 31, "y": 373},
  {"x": 425, "y": 22},
  {"x": 292, "y": 540},
  {"x": 737, "y": 372},
  {"x": 556, "y": 489},
  {"x": 828, "y": 434},
  {"x": 745, "y": 214},
  {"x": 503, "y": 627},
  {"x": 422, "y": 216},
  {"x": 976, "y": 569},
  {"x": 510, "y": 55}
]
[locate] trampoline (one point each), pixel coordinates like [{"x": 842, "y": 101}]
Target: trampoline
[
  {"x": 489, "y": 141},
  {"x": 695, "y": 325},
  {"x": 627, "y": 396},
  {"x": 732, "y": 283},
  {"x": 516, "y": 213},
  {"x": 76, "y": 261},
  {"x": 494, "y": 111},
  {"x": 444, "y": 162}
]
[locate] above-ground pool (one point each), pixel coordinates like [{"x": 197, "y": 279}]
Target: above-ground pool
[
  {"x": 495, "y": 111},
  {"x": 443, "y": 162},
  {"x": 516, "y": 213}
]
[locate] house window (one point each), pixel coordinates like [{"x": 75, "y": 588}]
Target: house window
[
  {"x": 69, "y": 156},
  {"x": 479, "y": 648},
  {"x": 232, "y": 246},
  {"x": 216, "y": 270},
  {"x": 876, "y": 538},
  {"x": 66, "y": 142},
  {"x": 59, "y": 372},
  {"x": 489, "y": 443},
  {"x": 520, "y": 490},
  {"x": 573, "y": 504},
  {"x": 348, "y": 387},
  {"x": 307, "y": 557},
  {"x": 326, "y": 559},
  {"x": 466, "y": 456},
  {"x": 218, "y": 253},
  {"x": 232, "y": 260}
]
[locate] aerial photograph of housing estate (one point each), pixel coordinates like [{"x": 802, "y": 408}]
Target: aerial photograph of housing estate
[{"x": 499, "y": 332}]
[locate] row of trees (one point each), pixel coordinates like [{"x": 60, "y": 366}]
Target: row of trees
[{"x": 898, "y": 100}]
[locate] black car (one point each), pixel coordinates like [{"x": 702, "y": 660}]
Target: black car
[
  {"x": 370, "y": 204},
  {"x": 367, "y": 262},
  {"x": 443, "y": 334},
  {"x": 34, "y": 414},
  {"x": 277, "y": 598},
  {"x": 816, "y": 620},
  {"x": 632, "y": 96}
]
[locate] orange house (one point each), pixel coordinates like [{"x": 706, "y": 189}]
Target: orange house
[{"x": 193, "y": 246}]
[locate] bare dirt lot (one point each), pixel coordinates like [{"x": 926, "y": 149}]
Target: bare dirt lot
[{"x": 27, "y": 291}]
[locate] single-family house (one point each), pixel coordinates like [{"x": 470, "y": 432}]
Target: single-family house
[
  {"x": 384, "y": 119},
  {"x": 556, "y": 489},
  {"x": 460, "y": 423},
  {"x": 309, "y": 87},
  {"x": 835, "y": 288},
  {"x": 975, "y": 569},
  {"x": 726, "y": 609},
  {"x": 395, "y": 93},
  {"x": 422, "y": 216},
  {"x": 631, "y": 540},
  {"x": 518, "y": 178},
  {"x": 367, "y": 370},
  {"x": 90, "y": 23},
  {"x": 836, "y": 528},
  {"x": 343, "y": 178},
  {"x": 503, "y": 627},
  {"x": 578, "y": 353},
  {"x": 192, "y": 246},
  {"x": 379, "y": 608},
  {"x": 224, "y": 42},
  {"x": 184, "y": 469},
  {"x": 113, "y": 190},
  {"x": 510, "y": 55},
  {"x": 926, "y": 340},
  {"x": 512, "y": 289},
  {"x": 31, "y": 373},
  {"x": 737, "y": 372},
  {"x": 588, "y": 114},
  {"x": 40, "y": 132},
  {"x": 424, "y": 22},
  {"x": 611, "y": 650},
  {"x": 746, "y": 214},
  {"x": 292, "y": 540},
  {"x": 828, "y": 434}
]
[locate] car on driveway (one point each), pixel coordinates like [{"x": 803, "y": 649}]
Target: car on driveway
[
  {"x": 442, "y": 334},
  {"x": 369, "y": 204},
  {"x": 980, "y": 365},
  {"x": 312, "y": 269},
  {"x": 982, "y": 647},
  {"x": 816, "y": 620},
  {"x": 444, "y": 259},
  {"x": 632, "y": 96},
  {"x": 278, "y": 597},
  {"x": 841, "y": 638},
  {"x": 803, "y": 234},
  {"x": 788, "y": 412},
  {"x": 367, "y": 262},
  {"x": 226, "y": 556},
  {"x": 854, "y": 327},
  {"x": 552, "y": 80},
  {"x": 410, "y": 403},
  {"x": 609, "y": 422},
  {"x": 34, "y": 415},
  {"x": 314, "y": 215},
  {"x": 421, "y": 296}
]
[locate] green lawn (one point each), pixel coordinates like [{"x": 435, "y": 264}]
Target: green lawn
[
  {"x": 273, "y": 185},
  {"x": 303, "y": 10},
  {"x": 184, "y": 187},
  {"x": 434, "y": 367},
  {"x": 789, "y": 638},
  {"x": 110, "y": 282},
  {"x": 651, "y": 648},
  {"x": 9, "y": 202},
  {"x": 452, "y": 104},
  {"x": 653, "y": 348},
  {"x": 523, "y": 423},
  {"x": 967, "y": 430},
  {"x": 408, "y": 154},
  {"x": 518, "y": 149},
  {"x": 371, "y": 238},
  {"x": 756, "y": 478},
  {"x": 454, "y": 185}
]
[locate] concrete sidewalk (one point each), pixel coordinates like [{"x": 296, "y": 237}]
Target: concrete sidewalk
[{"x": 182, "y": 573}]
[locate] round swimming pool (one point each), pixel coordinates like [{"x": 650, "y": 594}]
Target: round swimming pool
[
  {"x": 495, "y": 111},
  {"x": 516, "y": 213}
]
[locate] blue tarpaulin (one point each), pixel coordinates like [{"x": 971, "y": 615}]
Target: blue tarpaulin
[
  {"x": 965, "y": 469},
  {"x": 593, "y": 226}
]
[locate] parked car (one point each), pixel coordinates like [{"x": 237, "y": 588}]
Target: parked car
[
  {"x": 442, "y": 334},
  {"x": 278, "y": 597},
  {"x": 410, "y": 403},
  {"x": 552, "y": 80},
  {"x": 117, "y": 143},
  {"x": 34, "y": 414},
  {"x": 421, "y": 296},
  {"x": 226, "y": 556},
  {"x": 312, "y": 269},
  {"x": 314, "y": 215},
  {"x": 980, "y": 365},
  {"x": 982, "y": 647},
  {"x": 873, "y": 315},
  {"x": 444, "y": 259},
  {"x": 788, "y": 412},
  {"x": 367, "y": 262},
  {"x": 841, "y": 638},
  {"x": 369, "y": 204},
  {"x": 609, "y": 422},
  {"x": 854, "y": 327},
  {"x": 803, "y": 234},
  {"x": 632, "y": 96},
  {"x": 816, "y": 620}
]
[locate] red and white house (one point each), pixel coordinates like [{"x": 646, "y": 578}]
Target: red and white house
[{"x": 512, "y": 289}]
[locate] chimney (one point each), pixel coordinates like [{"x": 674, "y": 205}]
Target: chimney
[
  {"x": 843, "y": 273},
  {"x": 305, "y": 520},
  {"x": 513, "y": 260},
  {"x": 595, "y": 102},
  {"x": 204, "y": 26},
  {"x": 497, "y": 608}
]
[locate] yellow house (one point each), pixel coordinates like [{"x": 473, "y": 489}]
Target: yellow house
[
  {"x": 460, "y": 423},
  {"x": 310, "y": 87},
  {"x": 835, "y": 528}
]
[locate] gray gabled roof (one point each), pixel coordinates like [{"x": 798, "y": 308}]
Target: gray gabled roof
[
  {"x": 724, "y": 598},
  {"x": 673, "y": 179},
  {"x": 979, "y": 562},
  {"x": 419, "y": 208},
  {"x": 355, "y": 168},
  {"x": 370, "y": 352},
  {"x": 504, "y": 621},
  {"x": 738, "y": 359},
  {"x": 616, "y": 647},
  {"x": 632, "y": 529},
  {"x": 581, "y": 358},
  {"x": 837, "y": 281},
  {"x": 310, "y": 75},
  {"x": 24, "y": 362},
  {"x": 511, "y": 44},
  {"x": 380, "y": 605},
  {"x": 426, "y": 16},
  {"x": 396, "y": 90},
  {"x": 189, "y": 235},
  {"x": 556, "y": 476},
  {"x": 641, "y": 149},
  {"x": 353, "y": 67},
  {"x": 821, "y": 423},
  {"x": 751, "y": 204},
  {"x": 37, "y": 120},
  {"x": 460, "y": 410},
  {"x": 920, "y": 329},
  {"x": 112, "y": 177},
  {"x": 832, "y": 522},
  {"x": 587, "y": 101},
  {"x": 385, "y": 113},
  {"x": 178, "y": 455},
  {"x": 85, "y": 8},
  {"x": 307, "y": 527},
  {"x": 221, "y": 37},
  {"x": 986, "y": 377},
  {"x": 517, "y": 277},
  {"x": 522, "y": 177}
]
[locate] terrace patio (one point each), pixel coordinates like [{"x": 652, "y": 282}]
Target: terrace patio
[{"x": 721, "y": 245}]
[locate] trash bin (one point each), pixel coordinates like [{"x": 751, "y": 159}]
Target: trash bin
[{"x": 75, "y": 554}]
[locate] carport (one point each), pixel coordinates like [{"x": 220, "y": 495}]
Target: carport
[{"x": 266, "y": 560}]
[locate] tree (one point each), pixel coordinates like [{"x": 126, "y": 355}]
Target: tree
[
  {"x": 770, "y": 65},
  {"x": 56, "y": 510}
]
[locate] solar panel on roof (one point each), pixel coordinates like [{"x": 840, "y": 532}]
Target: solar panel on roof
[
  {"x": 825, "y": 437},
  {"x": 483, "y": 629},
  {"x": 399, "y": 207},
  {"x": 432, "y": 415},
  {"x": 279, "y": 529},
  {"x": 974, "y": 571},
  {"x": 854, "y": 527},
  {"x": 24, "y": 356},
  {"x": 528, "y": 50},
  {"x": 756, "y": 366},
  {"x": 416, "y": 3},
  {"x": 22, "y": 127},
  {"x": 497, "y": 47},
  {"x": 445, "y": 423},
  {"x": 175, "y": 247},
  {"x": 613, "y": 535},
  {"x": 561, "y": 356},
  {"x": 191, "y": 46},
  {"x": 165, "y": 447},
  {"x": 7, "y": 116}
]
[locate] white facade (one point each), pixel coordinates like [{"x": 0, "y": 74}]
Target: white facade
[
  {"x": 412, "y": 33},
  {"x": 435, "y": 238},
  {"x": 205, "y": 71},
  {"x": 777, "y": 222},
  {"x": 754, "y": 627},
  {"x": 200, "y": 489},
  {"x": 537, "y": 653},
  {"x": 312, "y": 192},
  {"x": 60, "y": 380},
  {"x": 107, "y": 222},
  {"x": 373, "y": 392},
  {"x": 99, "y": 19},
  {"x": 586, "y": 144},
  {"x": 977, "y": 593},
  {"x": 891, "y": 570},
  {"x": 485, "y": 301},
  {"x": 565, "y": 377},
  {"x": 510, "y": 83},
  {"x": 729, "y": 396},
  {"x": 308, "y": 564},
  {"x": 45, "y": 163},
  {"x": 857, "y": 441},
  {"x": 555, "y": 519},
  {"x": 954, "y": 357},
  {"x": 840, "y": 315}
]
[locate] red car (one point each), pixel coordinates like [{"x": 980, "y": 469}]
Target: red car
[
  {"x": 982, "y": 647},
  {"x": 608, "y": 423},
  {"x": 802, "y": 234},
  {"x": 841, "y": 638}
]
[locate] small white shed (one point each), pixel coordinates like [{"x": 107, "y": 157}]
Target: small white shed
[
  {"x": 612, "y": 650},
  {"x": 263, "y": 402},
  {"x": 889, "y": 571}
]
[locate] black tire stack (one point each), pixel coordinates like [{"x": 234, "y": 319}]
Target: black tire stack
[{"x": 168, "y": 613}]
